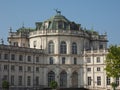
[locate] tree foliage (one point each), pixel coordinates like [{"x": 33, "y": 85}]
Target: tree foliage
[
  {"x": 114, "y": 85},
  {"x": 53, "y": 84},
  {"x": 113, "y": 62},
  {"x": 5, "y": 84}
]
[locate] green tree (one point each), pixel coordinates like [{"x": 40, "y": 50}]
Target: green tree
[
  {"x": 5, "y": 85},
  {"x": 114, "y": 85},
  {"x": 53, "y": 84},
  {"x": 113, "y": 63}
]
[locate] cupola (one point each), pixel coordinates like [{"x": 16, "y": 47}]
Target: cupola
[{"x": 57, "y": 22}]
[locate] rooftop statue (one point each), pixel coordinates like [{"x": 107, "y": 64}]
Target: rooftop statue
[{"x": 58, "y": 12}]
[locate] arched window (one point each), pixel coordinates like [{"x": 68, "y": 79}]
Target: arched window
[
  {"x": 63, "y": 79},
  {"x": 51, "y": 60},
  {"x": 63, "y": 47},
  {"x": 51, "y": 77},
  {"x": 74, "y": 48},
  {"x": 51, "y": 47},
  {"x": 74, "y": 79}
]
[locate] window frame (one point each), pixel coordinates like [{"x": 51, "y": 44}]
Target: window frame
[
  {"x": 37, "y": 58},
  {"x": 51, "y": 47},
  {"x": 6, "y": 56},
  {"x": 89, "y": 80},
  {"x": 29, "y": 58},
  {"x": 75, "y": 60},
  {"x": 5, "y": 67},
  {"x": 12, "y": 80},
  {"x": 20, "y": 68},
  {"x": 28, "y": 80},
  {"x": 12, "y": 56},
  {"x": 88, "y": 69},
  {"x": 20, "y": 79},
  {"x": 88, "y": 59},
  {"x": 98, "y": 69},
  {"x": 63, "y": 60},
  {"x": 74, "y": 48},
  {"x": 108, "y": 80},
  {"x": 63, "y": 47},
  {"x": 98, "y": 80},
  {"x": 20, "y": 57},
  {"x": 51, "y": 77},
  {"x": 51, "y": 60},
  {"x": 12, "y": 67},
  {"x": 98, "y": 60}
]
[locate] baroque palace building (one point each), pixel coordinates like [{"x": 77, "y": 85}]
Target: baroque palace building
[{"x": 57, "y": 49}]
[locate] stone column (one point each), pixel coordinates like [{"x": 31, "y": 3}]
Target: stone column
[
  {"x": 68, "y": 47},
  {"x": 69, "y": 79}
]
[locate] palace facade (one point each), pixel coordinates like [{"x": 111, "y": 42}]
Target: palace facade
[{"x": 57, "y": 49}]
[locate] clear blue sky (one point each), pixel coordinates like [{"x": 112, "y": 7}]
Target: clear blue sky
[{"x": 102, "y": 15}]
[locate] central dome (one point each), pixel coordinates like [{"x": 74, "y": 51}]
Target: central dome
[
  {"x": 59, "y": 17},
  {"x": 57, "y": 22}
]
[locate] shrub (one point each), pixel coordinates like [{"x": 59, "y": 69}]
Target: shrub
[
  {"x": 5, "y": 85},
  {"x": 53, "y": 84}
]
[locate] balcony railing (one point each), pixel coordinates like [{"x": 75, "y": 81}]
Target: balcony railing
[{"x": 20, "y": 49}]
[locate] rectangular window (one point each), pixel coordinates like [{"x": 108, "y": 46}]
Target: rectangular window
[
  {"x": 15, "y": 43},
  {"x": 29, "y": 58},
  {"x": 98, "y": 59},
  {"x": 75, "y": 61},
  {"x": 108, "y": 80},
  {"x": 20, "y": 68},
  {"x": 98, "y": 68},
  {"x": 37, "y": 80},
  {"x": 37, "y": 59},
  {"x": 117, "y": 80},
  {"x": 20, "y": 57},
  {"x": 74, "y": 48},
  {"x": 63, "y": 48},
  {"x": 12, "y": 67},
  {"x": 5, "y": 67},
  {"x": 51, "y": 60},
  {"x": 37, "y": 69},
  {"x": 63, "y": 60},
  {"x": 89, "y": 69},
  {"x": 6, "y": 56},
  {"x": 98, "y": 80},
  {"x": 88, "y": 60},
  {"x": 12, "y": 56},
  {"x": 89, "y": 81},
  {"x": 12, "y": 80},
  {"x": 101, "y": 46},
  {"x": 29, "y": 69},
  {"x": 28, "y": 81},
  {"x": 20, "y": 80}
]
